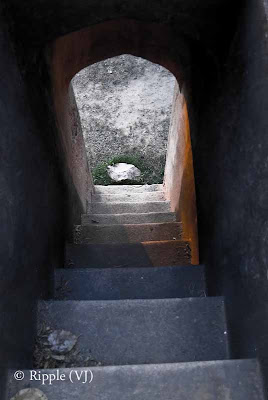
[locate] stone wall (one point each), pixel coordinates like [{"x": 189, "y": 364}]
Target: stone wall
[
  {"x": 32, "y": 225},
  {"x": 230, "y": 150},
  {"x": 125, "y": 105},
  {"x": 67, "y": 119},
  {"x": 179, "y": 174}
]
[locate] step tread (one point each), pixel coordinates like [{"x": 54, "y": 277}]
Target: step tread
[
  {"x": 144, "y": 254},
  {"x": 127, "y": 233},
  {"x": 129, "y": 197},
  {"x": 130, "y": 283},
  {"x": 142, "y": 331},
  {"x": 99, "y": 189},
  {"x": 128, "y": 218},
  {"x": 232, "y": 379},
  {"x": 129, "y": 207}
]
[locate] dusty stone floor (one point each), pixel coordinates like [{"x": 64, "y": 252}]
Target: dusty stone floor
[{"x": 125, "y": 106}]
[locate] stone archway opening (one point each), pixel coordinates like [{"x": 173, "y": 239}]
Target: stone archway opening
[
  {"x": 72, "y": 53},
  {"x": 125, "y": 105}
]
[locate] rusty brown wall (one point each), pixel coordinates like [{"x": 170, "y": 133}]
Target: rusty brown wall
[
  {"x": 179, "y": 173},
  {"x": 69, "y": 127}
]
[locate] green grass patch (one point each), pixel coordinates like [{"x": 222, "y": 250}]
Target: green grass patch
[{"x": 150, "y": 172}]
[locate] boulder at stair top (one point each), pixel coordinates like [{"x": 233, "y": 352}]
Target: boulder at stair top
[{"x": 122, "y": 171}]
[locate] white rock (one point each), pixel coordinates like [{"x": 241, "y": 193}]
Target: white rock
[
  {"x": 61, "y": 342},
  {"x": 30, "y": 394},
  {"x": 122, "y": 171}
]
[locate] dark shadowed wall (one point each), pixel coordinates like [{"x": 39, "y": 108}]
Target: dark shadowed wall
[
  {"x": 31, "y": 212},
  {"x": 231, "y": 169},
  {"x": 38, "y": 200}
]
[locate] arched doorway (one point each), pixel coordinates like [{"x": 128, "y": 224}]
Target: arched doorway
[{"x": 71, "y": 53}]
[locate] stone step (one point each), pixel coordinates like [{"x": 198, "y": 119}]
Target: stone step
[
  {"x": 129, "y": 283},
  {"x": 115, "y": 189},
  {"x": 121, "y": 219},
  {"x": 144, "y": 254},
  {"x": 211, "y": 380},
  {"x": 129, "y": 208},
  {"x": 141, "y": 331},
  {"x": 128, "y": 197},
  {"x": 127, "y": 233}
]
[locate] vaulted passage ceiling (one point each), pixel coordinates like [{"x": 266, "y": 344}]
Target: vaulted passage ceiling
[{"x": 41, "y": 21}]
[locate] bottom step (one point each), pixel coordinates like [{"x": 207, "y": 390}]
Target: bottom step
[{"x": 214, "y": 380}]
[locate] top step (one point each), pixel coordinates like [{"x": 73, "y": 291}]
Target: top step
[
  {"x": 115, "y": 189},
  {"x": 128, "y": 197}
]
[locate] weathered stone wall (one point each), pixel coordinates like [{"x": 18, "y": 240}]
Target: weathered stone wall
[
  {"x": 125, "y": 105},
  {"x": 230, "y": 156},
  {"x": 71, "y": 138},
  {"x": 32, "y": 226}
]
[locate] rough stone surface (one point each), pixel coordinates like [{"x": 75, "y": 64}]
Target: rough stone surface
[
  {"x": 96, "y": 233},
  {"x": 143, "y": 331},
  {"x": 129, "y": 208},
  {"x": 128, "y": 189},
  {"x": 144, "y": 254},
  {"x": 125, "y": 105},
  {"x": 129, "y": 283},
  {"x": 113, "y": 219},
  {"x": 122, "y": 171},
  {"x": 129, "y": 197}
]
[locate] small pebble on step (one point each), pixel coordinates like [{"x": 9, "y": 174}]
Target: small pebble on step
[
  {"x": 30, "y": 394},
  {"x": 62, "y": 342}
]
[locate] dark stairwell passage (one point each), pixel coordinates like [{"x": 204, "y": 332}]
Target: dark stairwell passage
[
  {"x": 130, "y": 226},
  {"x": 145, "y": 325},
  {"x": 125, "y": 109},
  {"x": 147, "y": 332}
]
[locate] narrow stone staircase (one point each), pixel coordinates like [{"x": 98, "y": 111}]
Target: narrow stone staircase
[
  {"x": 128, "y": 226},
  {"x": 146, "y": 328}
]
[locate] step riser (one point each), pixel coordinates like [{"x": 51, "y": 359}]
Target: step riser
[
  {"x": 121, "y": 219},
  {"x": 129, "y": 283},
  {"x": 127, "y": 233},
  {"x": 115, "y": 189},
  {"x": 218, "y": 380},
  {"x": 142, "y": 331},
  {"x": 129, "y": 197},
  {"x": 123, "y": 208},
  {"x": 145, "y": 254}
]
